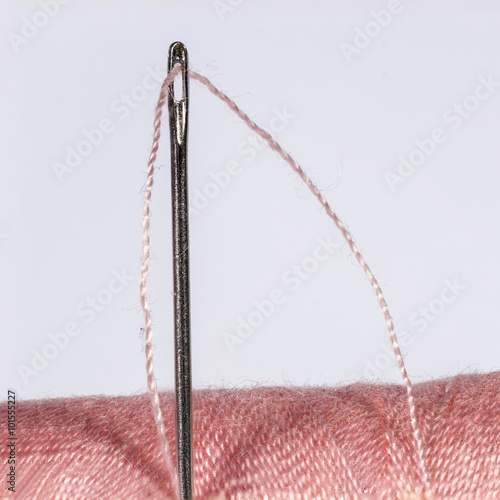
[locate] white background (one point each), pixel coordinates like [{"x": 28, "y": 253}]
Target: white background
[{"x": 61, "y": 240}]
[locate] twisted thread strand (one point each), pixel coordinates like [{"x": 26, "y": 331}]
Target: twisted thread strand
[
  {"x": 352, "y": 245},
  {"x": 152, "y": 387},
  {"x": 151, "y": 381}
]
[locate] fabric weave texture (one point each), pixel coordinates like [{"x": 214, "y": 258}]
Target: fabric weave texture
[{"x": 269, "y": 443}]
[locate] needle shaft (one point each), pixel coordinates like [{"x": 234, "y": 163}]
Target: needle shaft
[{"x": 178, "y": 111}]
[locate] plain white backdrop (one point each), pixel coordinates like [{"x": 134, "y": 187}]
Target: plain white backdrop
[{"x": 355, "y": 91}]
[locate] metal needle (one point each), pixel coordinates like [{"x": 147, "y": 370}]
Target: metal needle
[{"x": 178, "y": 110}]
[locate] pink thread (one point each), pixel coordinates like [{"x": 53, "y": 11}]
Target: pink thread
[
  {"x": 261, "y": 443},
  {"x": 352, "y": 245},
  {"x": 330, "y": 212},
  {"x": 151, "y": 380},
  {"x": 348, "y": 237}
]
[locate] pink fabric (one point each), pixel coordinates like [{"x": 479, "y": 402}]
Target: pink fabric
[{"x": 278, "y": 443}]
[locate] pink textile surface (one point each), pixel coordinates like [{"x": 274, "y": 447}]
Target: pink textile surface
[{"x": 269, "y": 442}]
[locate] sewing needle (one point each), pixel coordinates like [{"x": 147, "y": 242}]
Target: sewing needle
[{"x": 178, "y": 111}]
